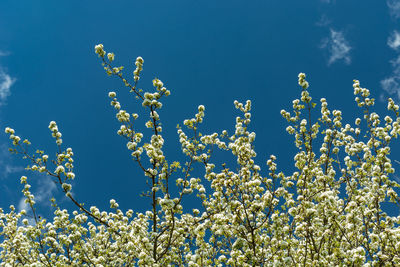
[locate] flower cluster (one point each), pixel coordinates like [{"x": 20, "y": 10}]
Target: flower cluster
[
  {"x": 99, "y": 49},
  {"x": 139, "y": 67},
  {"x": 15, "y": 138},
  {"x": 55, "y": 133},
  {"x": 302, "y": 81},
  {"x": 328, "y": 212}
]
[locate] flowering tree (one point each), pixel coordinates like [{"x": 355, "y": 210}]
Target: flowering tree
[{"x": 326, "y": 213}]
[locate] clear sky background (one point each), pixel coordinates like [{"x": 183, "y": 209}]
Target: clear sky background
[{"x": 205, "y": 52}]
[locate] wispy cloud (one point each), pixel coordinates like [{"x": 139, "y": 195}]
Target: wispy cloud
[
  {"x": 323, "y": 21},
  {"x": 6, "y": 166},
  {"x": 46, "y": 189},
  {"x": 6, "y": 81},
  {"x": 22, "y": 205},
  {"x": 337, "y": 46},
  {"x": 394, "y": 40},
  {"x": 9, "y": 169},
  {"x": 394, "y": 8},
  {"x": 391, "y": 84}
]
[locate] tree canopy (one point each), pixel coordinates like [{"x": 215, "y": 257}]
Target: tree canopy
[{"x": 327, "y": 212}]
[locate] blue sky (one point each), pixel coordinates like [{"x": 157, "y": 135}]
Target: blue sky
[{"x": 205, "y": 52}]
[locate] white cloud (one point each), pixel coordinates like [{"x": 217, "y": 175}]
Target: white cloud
[
  {"x": 6, "y": 81},
  {"x": 42, "y": 196},
  {"x": 9, "y": 169},
  {"x": 22, "y": 205},
  {"x": 391, "y": 84},
  {"x": 394, "y": 8},
  {"x": 394, "y": 40},
  {"x": 46, "y": 187},
  {"x": 337, "y": 46},
  {"x": 25, "y": 206},
  {"x": 323, "y": 21},
  {"x": 6, "y": 167}
]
